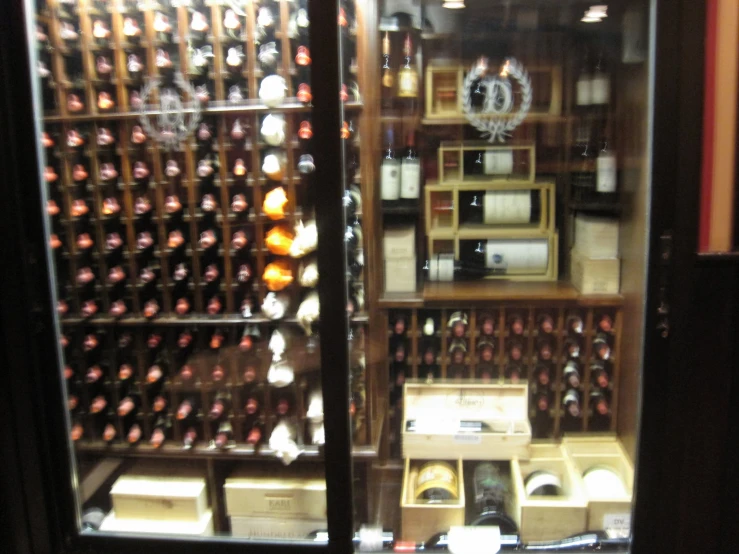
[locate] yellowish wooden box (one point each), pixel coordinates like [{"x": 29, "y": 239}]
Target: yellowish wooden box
[
  {"x": 595, "y": 275},
  {"x": 444, "y": 82},
  {"x": 548, "y": 518},
  {"x": 437, "y": 409},
  {"x": 589, "y": 451},
  {"x": 420, "y": 521},
  {"x": 454, "y": 150},
  {"x": 176, "y": 498}
]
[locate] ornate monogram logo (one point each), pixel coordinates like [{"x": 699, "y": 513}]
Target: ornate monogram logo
[
  {"x": 494, "y": 118},
  {"x": 172, "y": 125}
]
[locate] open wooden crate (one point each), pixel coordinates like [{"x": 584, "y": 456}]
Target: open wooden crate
[
  {"x": 438, "y": 408},
  {"x": 607, "y": 451},
  {"x": 419, "y": 520},
  {"x": 452, "y": 164},
  {"x": 548, "y": 518}
]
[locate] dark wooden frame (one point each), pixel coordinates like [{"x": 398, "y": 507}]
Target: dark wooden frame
[{"x": 681, "y": 460}]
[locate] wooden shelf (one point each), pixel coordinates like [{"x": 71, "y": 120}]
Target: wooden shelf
[
  {"x": 189, "y": 320},
  {"x": 461, "y": 120},
  {"x": 240, "y": 452},
  {"x": 467, "y": 292}
]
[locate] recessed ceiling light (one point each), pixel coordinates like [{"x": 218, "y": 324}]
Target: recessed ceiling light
[
  {"x": 453, "y": 4},
  {"x": 591, "y": 19}
]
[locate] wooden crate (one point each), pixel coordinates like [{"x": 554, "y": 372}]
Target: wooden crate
[
  {"x": 548, "y": 518},
  {"x": 503, "y": 407},
  {"x": 589, "y": 451},
  {"x": 595, "y": 275},
  {"x": 441, "y": 196},
  {"x": 451, "y": 150},
  {"x": 444, "y": 82},
  {"x": 420, "y": 521}
]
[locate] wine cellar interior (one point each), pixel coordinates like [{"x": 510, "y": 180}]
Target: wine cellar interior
[{"x": 489, "y": 244}]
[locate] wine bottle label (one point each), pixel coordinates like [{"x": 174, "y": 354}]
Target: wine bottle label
[
  {"x": 390, "y": 181},
  {"x": 510, "y": 207},
  {"x": 410, "y": 179},
  {"x": 437, "y": 475},
  {"x": 498, "y": 162},
  {"x": 441, "y": 268},
  {"x": 408, "y": 84},
  {"x": 606, "y": 172},
  {"x": 583, "y": 91},
  {"x": 517, "y": 257},
  {"x": 600, "y": 89}
]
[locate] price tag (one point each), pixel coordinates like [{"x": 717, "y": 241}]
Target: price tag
[
  {"x": 467, "y": 540},
  {"x": 468, "y": 438},
  {"x": 617, "y": 525}
]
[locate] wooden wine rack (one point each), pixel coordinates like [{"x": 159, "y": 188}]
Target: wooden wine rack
[
  {"x": 73, "y": 71},
  {"x": 555, "y": 423}
]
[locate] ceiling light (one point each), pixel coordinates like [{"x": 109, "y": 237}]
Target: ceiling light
[
  {"x": 598, "y": 10},
  {"x": 453, "y": 4},
  {"x": 591, "y": 19}
]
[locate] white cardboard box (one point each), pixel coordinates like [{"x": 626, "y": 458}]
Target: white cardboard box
[
  {"x": 267, "y": 496},
  {"x": 596, "y": 237},
  {"x": 595, "y": 275},
  {"x": 286, "y": 528},
  {"x": 438, "y": 408},
  {"x": 202, "y": 527},
  {"x": 159, "y": 497},
  {"x": 399, "y": 242},
  {"x": 400, "y": 274}
]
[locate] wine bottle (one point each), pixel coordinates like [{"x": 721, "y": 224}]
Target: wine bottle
[
  {"x": 410, "y": 170},
  {"x": 599, "y": 375},
  {"x": 457, "y": 324},
  {"x": 600, "y": 82},
  {"x": 220, "y": 407},
  {"x": 436, "y": 482},
  {"x": 543, "y": 483},
  {"x": 429, "y": 369},
  {"x": 606, "y": 179},
  {"x": 388, "y": 76},
  {"x": 599, "y": 403},
  {"x": 224, "y": 435},
  {"x": 491, "y": 488},
  {"x": 390, "y": 171},
  {"x": 515, "y": 207},
  {"x": 571, "y": 402},
  {"x": 188, "y": 409},
  {"x": 572, "y": 374},
  {"x": 457, "y": 352},
  {"x": 408, "y": 76},
  {"x": 583, "y": 89}
]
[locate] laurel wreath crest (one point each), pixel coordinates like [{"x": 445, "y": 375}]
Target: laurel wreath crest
[
  {"x": 497, "y": 128},
  {"x": 170, "y": 116}
]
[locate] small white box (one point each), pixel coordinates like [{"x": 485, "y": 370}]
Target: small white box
[
  {"x": 399, "y": 242},
  {"x": 275, "y": 528},
  {"x": 276, "y": 497},
  {"x": 159, "y": 497},
  {"x": 400, "y": 275},
  {"x": 595, "y": 275},
  {"x": 201, "y": 527},
  {"x": 596, "y": 237}
]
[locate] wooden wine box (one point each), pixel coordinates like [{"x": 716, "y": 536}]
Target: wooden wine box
[
  {"x": 548, "y": 518},
  {"x": 510, "y": 163},
  {"x": 421, "y": 520},
  {"x": 595, "y": 275},
  {"x": 604, "y": 512},
  {"x": 201, "y": 527},
  {"x": 175, "y": 498},
  {"x": 437, "y": 409}
]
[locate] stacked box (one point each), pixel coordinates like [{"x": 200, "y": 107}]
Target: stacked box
[
  {"x": 399, "y": 247},
  {"x": 595, "y": 267}
]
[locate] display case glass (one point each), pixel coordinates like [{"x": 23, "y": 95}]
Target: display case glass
[
  {"x": 505, "y": 186},
  {"x": 478, "y": 172},
  {"x": 180, "y": 190}
]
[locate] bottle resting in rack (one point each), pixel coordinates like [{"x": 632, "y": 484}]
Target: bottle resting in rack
[
  {"x": 479, "y": 259},
  {"x": 500, "y": 207},
  {"x": 410, "y": 170},
  {"x": 390, "y": 171}
]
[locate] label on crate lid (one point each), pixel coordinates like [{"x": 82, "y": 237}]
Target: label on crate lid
[
  {"x": 617, "y": 525},
  {"x": 467, "y": 540},
  {"x": 468, "y": 438}
]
